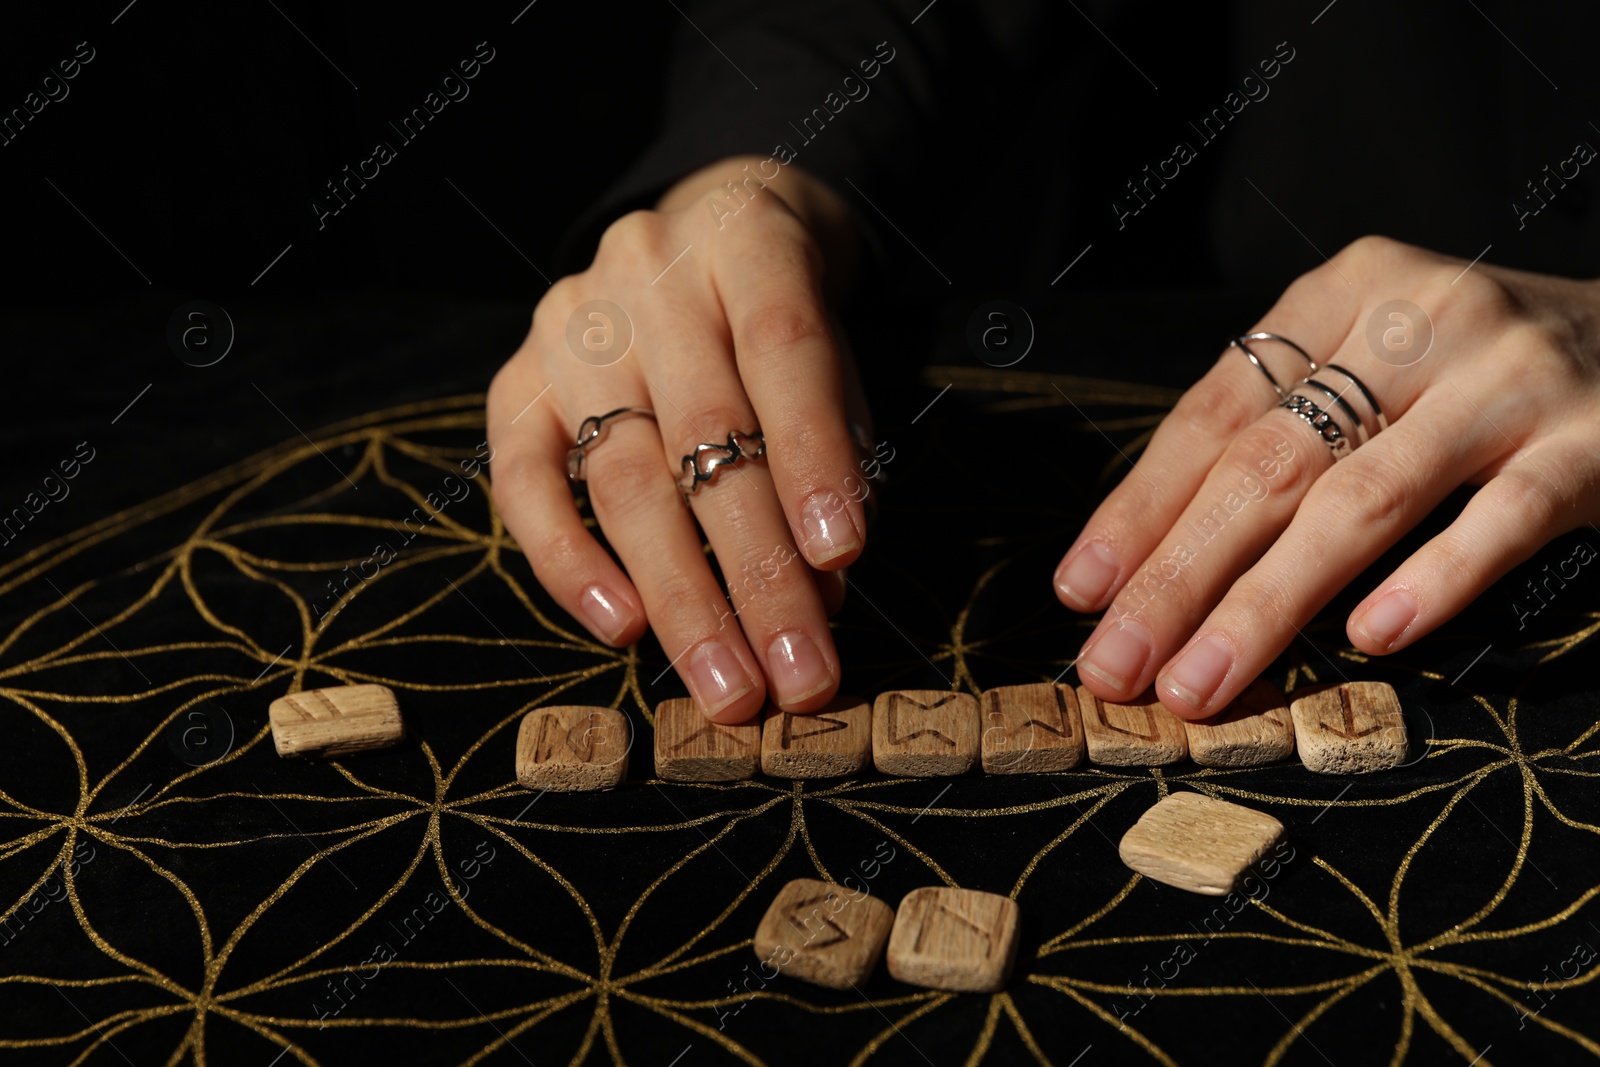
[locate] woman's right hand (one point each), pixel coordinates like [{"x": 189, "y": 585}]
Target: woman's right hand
[{"x": 722, "y": 327}]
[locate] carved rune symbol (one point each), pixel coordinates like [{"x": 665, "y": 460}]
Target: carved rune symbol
[
  {"x": 929, "y": 922},
  {"x": 791, "y": 734},
  {"x": 1148, "y": 711},
  {"x": 839, "y": 934},
  {"x": 1065, "y": 729},
  {"x": 1349, "y": 732},
  {"x": 707, "y": 729},
  {"x": 327, "y": 710},
  {"x": 895, "y": 737},
  {"x": 575, "y": 739}
]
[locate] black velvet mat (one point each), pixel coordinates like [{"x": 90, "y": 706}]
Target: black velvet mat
[{"x": 172, "y": 891}]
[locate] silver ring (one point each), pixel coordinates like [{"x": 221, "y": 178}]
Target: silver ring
[
  {"x": 701, "y": 465},
  {"x": 1344, "y": 406},
  {"x": 1255, "y": 361},
  {"x": 589, "y": 434},
  {"x": 1372, "y": 401},
  {"x": 1320, "y": 421}
]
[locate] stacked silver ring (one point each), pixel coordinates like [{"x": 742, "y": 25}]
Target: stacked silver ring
[{"x": 1321, "y": 419}]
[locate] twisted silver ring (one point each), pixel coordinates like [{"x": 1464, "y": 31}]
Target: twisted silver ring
[
  {"x": 702, "y": 464},
  {"x": 1255, "y": 361},
  {"x": 589, "y": 434},
  {"x": 1320, "y": 421}
]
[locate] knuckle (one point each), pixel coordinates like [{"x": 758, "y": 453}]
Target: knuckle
[
  {"x": 1367, "y": 249},
  {"x": 1523, "y": 496},
  {"x": 513, "y": 474},
  {"x": 777, "y": 327},
  {"x": 1216, "y": 408},
  {"x": 1369, "y": 490},
  {"x": 1273, "y": 453},
  {"x": 625, "y": 484},
  {"x": 557, "y": 305},
  {"x": 636, "y": 231},
  {"x": 709, "y": 426}
]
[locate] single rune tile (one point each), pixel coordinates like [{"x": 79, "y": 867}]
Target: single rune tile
[
  {"x": 573, "y": 749},
  {"x": 824, "y": 934},
  {"x": 1031, "y": 728},
  {"x": 831, "y": 743},
  {"x": 959, "y": 940},
  {"x": 1351, "y": 728},
  {"x": 336, "y": 721},
  {"x": 1143, "y": 734},
  {"x": 1255, "y": 729},
  {"x": 925, "y": 733},
  {"x": 1193, "y": 842},
  {"x": 692, "y": 748}
]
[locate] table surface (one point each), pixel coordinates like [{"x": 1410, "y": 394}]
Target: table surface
[{"x": 174, "y": 892}]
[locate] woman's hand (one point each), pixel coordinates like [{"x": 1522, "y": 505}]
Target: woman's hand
[
  {"x": 1236, "y": 526},
  {"x": 722, "y": 289}
]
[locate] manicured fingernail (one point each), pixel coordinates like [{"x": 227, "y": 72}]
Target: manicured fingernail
[
  {"x": 1086, "y": 576},
  {"x": 796, "y": 668},
  {"x": 605, "y": 612},
  {"x": 829, "y": 531},
  {"x": 1385, "y": 622},
  {"x": 1117, "y": 654},
  {"x": 1198, "y": 671},
  {"x": 717, "y": 677}
]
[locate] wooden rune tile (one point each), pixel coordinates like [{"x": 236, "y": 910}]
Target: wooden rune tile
[
  {"x": 1352, "y": 728},
  {"x": 1143, "y": 734},
  {"x": 824, "y": 934},
  {"x": 573, "y": 749},
  {"x": 692, "y": 748},
  {"x": 1255, "y": 729},
  {"x": 336, "y": 721},
  {"x": 1031, "y": 728},
  {"x": 925, "y": 733},
  {"x": 959, "y": 940},
  {"x": 831, "y": 743},
  {"x": 1193, "y": 842}
]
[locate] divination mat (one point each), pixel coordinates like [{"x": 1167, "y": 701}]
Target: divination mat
[{"x": 174, "y": 892}]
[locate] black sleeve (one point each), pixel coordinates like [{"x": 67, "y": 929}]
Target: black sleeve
[{"x": 846, "y": 89}]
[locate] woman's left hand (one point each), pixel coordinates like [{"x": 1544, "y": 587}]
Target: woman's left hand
[{"x": 1236, "y": 526}]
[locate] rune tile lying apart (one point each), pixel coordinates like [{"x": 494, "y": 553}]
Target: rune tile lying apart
[
  {"x": 336, "y": 721},
  {"x": 1194, "y": 842}
]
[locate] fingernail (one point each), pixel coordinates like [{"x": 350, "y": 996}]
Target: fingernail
[
  {"x": 717, "y": 677},
  {"x": 1199, "y": 670},
  {"x": 1086, "y": 576},
  {"x": 1117, "y": 655},
  {"x": 829, "y": 530},
  {"x": 604, "y": 612},
  {"x": 1385, "y": 622},
  {"x": 796, "y": 668}
]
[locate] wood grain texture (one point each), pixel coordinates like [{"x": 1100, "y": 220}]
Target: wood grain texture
[
  {"x": 573, "y": 749},
  {"x": 823, "y": 934},
  {"x": 1193, "y": 842},
  {"x": 692, "y": 748},
  {"x": 960, "y": 940},
  {"x": 335, "y": 721},
  {"x": 831, "y": 743},
  {"x": 1145, "y": 734},
  {"x": 1351, "y": 728},
  {"x": 1254, "y": 730},
  {"x": 925, "y": 733},
  {"x": 1031, "y": 728}
]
